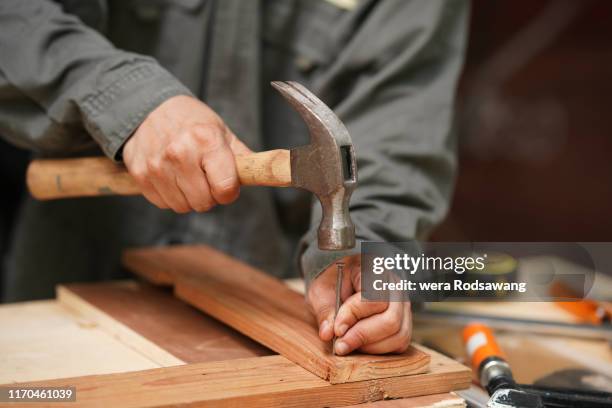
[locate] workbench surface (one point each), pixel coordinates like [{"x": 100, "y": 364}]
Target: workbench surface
[{"x": 139, "y": 328}]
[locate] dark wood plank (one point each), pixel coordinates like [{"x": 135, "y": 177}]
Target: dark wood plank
[{"x": 173, "y": 325}]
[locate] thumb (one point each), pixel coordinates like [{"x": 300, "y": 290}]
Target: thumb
[
  {"x": 237, "y": 146},
  {"x": 321, "y": 298}
]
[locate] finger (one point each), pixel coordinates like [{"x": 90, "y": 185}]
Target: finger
[
  {"x": 138, "y": 173},
  {"x": 218, "y": 163},
  {"x": 371, "y": 329},
  {"x": 322, "y": 300},
  {"x": 353, "y": 310},
  {"x": 237, "y": 146},
  {"x": 153, "y": 196},
  {"x": 163, "y": 178},
  {"x": 196, "y": 190},
  {"x": 159, "y": 175},
  {"x": 397, "y": 343},
  {"x": 192, "y": 181}
]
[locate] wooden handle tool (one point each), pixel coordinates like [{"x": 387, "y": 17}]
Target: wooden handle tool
[
  {"x": 326, "y": 167},
  {"x": 49, "y": 179}
]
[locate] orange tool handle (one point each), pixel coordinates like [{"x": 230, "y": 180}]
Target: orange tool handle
[
  {"x": 585, "y": 310},
  {"x": 480, "y": 344}
]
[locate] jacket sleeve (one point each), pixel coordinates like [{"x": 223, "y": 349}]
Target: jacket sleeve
[
  {"x": 393, "y": 86},
  {"x": 62, "y": 83}
]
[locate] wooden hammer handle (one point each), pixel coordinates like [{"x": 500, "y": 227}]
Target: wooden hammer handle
[{"x": 95, "y": 176}]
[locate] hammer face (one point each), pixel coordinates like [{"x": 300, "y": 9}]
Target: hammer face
[{"x": 326, "y": 167}]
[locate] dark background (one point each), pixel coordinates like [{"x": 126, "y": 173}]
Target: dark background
[
  {"x": 535, "y": 126},
  {"x": 535, "y": 122}
]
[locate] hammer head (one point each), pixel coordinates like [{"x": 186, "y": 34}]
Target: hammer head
[{"x": 325, "y": 167}]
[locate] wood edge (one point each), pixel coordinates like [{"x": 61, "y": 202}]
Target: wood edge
[
  {"x": 114, "y": 328},
  {"x": 441, "y": 400},
  {"x": 343, "y": 373},
  {"x": 441, "y": 357},
  {"x": 310, "y": 393},
  {"x": 136, "y": 261}
]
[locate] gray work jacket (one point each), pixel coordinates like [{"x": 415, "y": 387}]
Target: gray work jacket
[{"x": 78, "y": 76}]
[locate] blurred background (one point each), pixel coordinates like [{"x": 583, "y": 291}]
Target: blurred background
[{"x": 535, "y": 125}]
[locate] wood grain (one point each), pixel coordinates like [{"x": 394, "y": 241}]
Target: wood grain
[
  {"x": 263, "y": 308},
  {"x": 42, "y": 340},
  {"x": 82, "y": 177},
  {"x": 268, "y": 381},
  {"x": 271, "y": 168},
  {"x": 155, "y": 316}
]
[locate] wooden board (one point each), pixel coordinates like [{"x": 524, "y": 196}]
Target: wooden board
[
  {"x": 83, "y": 295},
  {"x": 155, "y": 316},
  {"x": 42, "y": 340},
  {"x": 268, "y": 381},
  {"x": 263, "y": 308},
  {"x": 446, "y": 400}
]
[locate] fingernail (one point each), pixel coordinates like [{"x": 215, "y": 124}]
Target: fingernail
[
  {"x": 342, "y": 329},
  {"x": 341, "y": 348}
]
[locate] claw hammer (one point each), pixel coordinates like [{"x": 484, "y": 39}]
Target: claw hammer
[{"x": 326, "y": 167}]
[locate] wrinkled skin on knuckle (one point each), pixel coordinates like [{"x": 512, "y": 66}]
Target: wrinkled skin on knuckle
[
  {"x": 209, "y": 137},
  {"x": 139, "y": 174},
  {"x": 155, "y": 168},
  {"x": 175, "y": 152}
]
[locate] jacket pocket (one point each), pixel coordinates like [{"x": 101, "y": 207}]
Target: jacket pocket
[{"x": 303, "y": 28}]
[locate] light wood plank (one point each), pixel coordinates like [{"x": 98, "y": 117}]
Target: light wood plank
[
  {"x": 263, "y": 308},
  {"x": 43, "y": 340},
  {"x": 268, "y": 381}
]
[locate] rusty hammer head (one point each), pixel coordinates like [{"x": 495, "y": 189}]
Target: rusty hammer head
[{"x": 325, "y": 167}]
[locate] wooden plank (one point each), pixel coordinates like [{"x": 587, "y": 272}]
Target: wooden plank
[
  {"x": 446, "y": 400},
  {"x": 268, "y": 381},
  {"x": 263, "y": 308},
  {"x": 42, "y": 340},
  {"x": 150, "y": 319},
  {"x": 120, "y": 332}
]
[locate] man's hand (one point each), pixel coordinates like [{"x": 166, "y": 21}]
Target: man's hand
[
  {"x": 371, "y": 327},
  {"x": 182, "y": 157}
]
